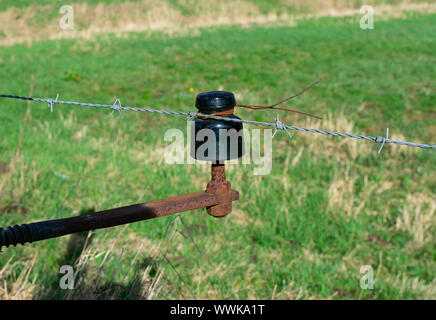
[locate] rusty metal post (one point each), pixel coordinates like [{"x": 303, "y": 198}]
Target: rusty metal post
[{"x": 217, "y": 199}]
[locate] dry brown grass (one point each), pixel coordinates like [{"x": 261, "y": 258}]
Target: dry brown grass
[
  {"x": 418, "y": 217},
  {"x": 19, "y": 26},
  {"x": 89, "y": 268},
  {"x": 402, "y": 283},
  {"x": 22, "y": 287},
  {"x": 91, "y": 285}
]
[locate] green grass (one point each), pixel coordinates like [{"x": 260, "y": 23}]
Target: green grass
[{"x": 286, "y": 238}]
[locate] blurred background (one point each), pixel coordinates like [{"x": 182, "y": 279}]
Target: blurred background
[{"x": 329, "y": 205}]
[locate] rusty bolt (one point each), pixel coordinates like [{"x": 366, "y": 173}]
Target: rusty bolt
[{"x": 219, "y": 186}]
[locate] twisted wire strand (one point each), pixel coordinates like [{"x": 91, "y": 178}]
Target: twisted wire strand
[{"x": 191, "y": 115}]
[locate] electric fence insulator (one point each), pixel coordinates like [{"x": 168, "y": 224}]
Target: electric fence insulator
[{"x": 227, "y": 136}]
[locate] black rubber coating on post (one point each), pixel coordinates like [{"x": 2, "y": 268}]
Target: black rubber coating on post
[{"x": 14, "y": 235}]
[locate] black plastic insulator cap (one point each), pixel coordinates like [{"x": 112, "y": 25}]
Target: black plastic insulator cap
[{"x": 215, "y": 101}]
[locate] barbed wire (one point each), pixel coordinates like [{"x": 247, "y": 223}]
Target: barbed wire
[{"x": 278, "y": 125}]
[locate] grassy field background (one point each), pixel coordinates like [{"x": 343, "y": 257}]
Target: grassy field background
[{"x": 329, "y": 205}]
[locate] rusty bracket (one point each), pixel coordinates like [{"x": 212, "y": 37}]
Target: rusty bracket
[{"x": 217, "y": 199}]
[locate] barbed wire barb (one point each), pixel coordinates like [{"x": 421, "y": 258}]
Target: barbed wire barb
[
  {"x": 117, "y": 106},
  {"x": 280, "y": 126},
  {"x": 51, "y": 102},
  {"x": 382, "y": 140}
]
